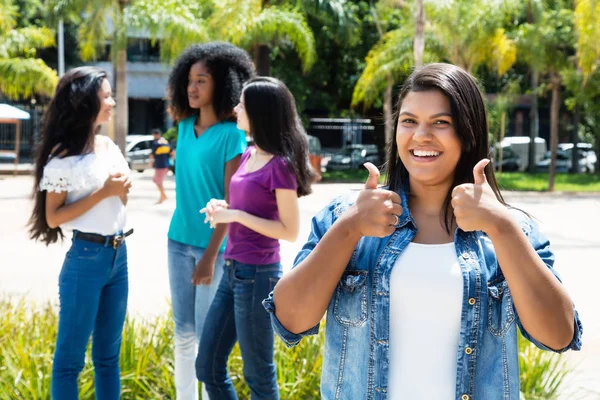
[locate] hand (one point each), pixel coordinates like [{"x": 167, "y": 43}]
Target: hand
[
  {"x": 117, "y": 184},
  {"x": 376, "y": 211},
  {"x": 203, "y": 273},
  {"x": 217, "y": 212},
  {"x": 476, "y": 207}
]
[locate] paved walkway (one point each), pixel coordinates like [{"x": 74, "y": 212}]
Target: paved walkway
[{"x": 26, "y": 268}]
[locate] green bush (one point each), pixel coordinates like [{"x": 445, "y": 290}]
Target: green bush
[{"x": 28, "y": 334}]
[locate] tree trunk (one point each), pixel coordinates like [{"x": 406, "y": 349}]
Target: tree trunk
[
  {"x": 122, "y": 108},
  {"x": 502, "y": 130},
  {"x": 575, "y": 140},
  {"x": 554, "y": 110},
  {"x": 534, "y": 119},
  {"x": 419, "y": 42},
  {"x": 262, "y": 59},
  {"x": 387, "y": 112}
]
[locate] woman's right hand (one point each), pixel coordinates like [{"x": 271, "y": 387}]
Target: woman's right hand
[
  {"x": 376, "y": 211},
  {"x": 117, "y": 185}
]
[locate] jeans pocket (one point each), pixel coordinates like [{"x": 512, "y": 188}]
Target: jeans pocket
[
  {"x": 350, "y": 303},
  {"x": 244, "y": 273},
  {"x": 88, "y": 253},
  {"x": 501, "y": 313}
]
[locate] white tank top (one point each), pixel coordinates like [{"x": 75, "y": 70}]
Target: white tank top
[{"x": 426, "y": 291}]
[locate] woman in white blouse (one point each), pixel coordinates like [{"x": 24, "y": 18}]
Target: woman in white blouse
[{"x": 81, "y": 186}]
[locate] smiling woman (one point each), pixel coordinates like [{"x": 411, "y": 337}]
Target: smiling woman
[{"x": 428, "y": 279}]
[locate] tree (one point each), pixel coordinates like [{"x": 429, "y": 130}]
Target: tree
[
  {"x": 472, "y": 33},
  {"x": 21, "y": 73},
  {"x": 257, "y": 25},
  {"x": 587, "y": 26},
  {"x": 100, "y": 21},
  {"x": 547, "y": 46}
]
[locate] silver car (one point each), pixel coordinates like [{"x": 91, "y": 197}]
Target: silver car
[{"x": 138, "y": 149}]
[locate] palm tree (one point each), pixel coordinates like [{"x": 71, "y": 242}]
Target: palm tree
[
  {"x": 472, "y": 33},
  {"x": 545, "y": 45},
  {"x": 257, "y": 25},
  {"x": 21, "y": 74},
  {"x": 176, "y": 22}
]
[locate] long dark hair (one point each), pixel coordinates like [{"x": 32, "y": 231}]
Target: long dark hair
[
  {"x": 229, "y": 67},
  {"x": 276, "y": 127},
  {"x": 68, "y": 129},
  {"x": 471, "y": 127}
]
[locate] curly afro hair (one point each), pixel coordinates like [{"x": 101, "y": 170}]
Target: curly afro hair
[{"x": 229, "y": 67}]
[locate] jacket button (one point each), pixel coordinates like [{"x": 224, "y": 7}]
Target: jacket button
[
  {"x": 465, "y": 397},
  {"x": 468, "y": 350},
  {"x": 472, "y": 301},
  {"x": 228, "y": 263},
  {"x": 465, "y": 255}
]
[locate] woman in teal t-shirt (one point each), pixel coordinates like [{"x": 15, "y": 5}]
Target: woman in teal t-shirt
[{"x": 204, "y": 86}]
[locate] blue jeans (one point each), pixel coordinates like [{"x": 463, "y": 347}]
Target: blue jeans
[
  {"x": 93, "y": 289},
  {"x": 190, "y": 306},
  {"x": 237, "y": 313}
]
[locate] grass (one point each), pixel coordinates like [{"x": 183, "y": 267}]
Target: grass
[
  {"x": 518, "y": 181},
  {"x": 28, "y": 334}
]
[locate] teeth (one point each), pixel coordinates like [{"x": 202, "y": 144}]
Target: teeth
[{"x": 421, "y": 153}]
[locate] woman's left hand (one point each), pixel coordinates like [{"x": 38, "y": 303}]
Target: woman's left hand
[
  {"x": 476, "y": 207},
  {"x": 218, "y": 212}
]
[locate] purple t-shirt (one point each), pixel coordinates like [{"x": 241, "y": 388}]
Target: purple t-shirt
[{"x": 254, "y": 193}]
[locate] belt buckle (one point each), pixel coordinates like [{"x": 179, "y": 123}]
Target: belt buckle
[{"x": 117, "y": 240}]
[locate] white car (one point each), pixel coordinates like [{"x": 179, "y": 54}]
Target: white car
[
  {"x": 587, "y": 155},
  {"x": 138, "y": 149}
]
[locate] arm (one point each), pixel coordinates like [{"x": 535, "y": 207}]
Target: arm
[
  {"x": 57, "y": 213},
  {"x": 286, "y": 227},
  {"x": 302, "y": 295},
  {"x": 542, "y": 303},
  {"x": 204, "y": 270},
  {"x": 216, "y": 240}
]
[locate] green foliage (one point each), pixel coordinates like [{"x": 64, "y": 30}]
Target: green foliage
[
  {"x": 539, "y": 182},
  {"x": 21, "y": 74},
  {"x": 27, "y": 341},
  {"x": 542, "y": 373}
]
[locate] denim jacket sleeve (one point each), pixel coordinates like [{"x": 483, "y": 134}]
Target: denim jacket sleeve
[
  {"x": 542, "y": 246},
  {"x": 320, "y": 224}
]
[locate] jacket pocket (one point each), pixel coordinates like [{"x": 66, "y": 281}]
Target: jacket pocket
[
  {"x": 501, "y": 312},
  {"x": 350, "y": 306}
]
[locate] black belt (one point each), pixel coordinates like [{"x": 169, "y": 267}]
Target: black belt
[{"x": 114, "y": 240}]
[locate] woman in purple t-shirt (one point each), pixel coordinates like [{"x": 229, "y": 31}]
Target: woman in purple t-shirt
[{"x": 263, "y": 208}]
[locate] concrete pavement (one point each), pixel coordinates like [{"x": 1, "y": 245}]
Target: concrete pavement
[{"x": 31, "y": 269}]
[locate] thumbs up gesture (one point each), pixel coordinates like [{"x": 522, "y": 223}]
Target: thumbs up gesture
[
  {"x": 376, "y": 211},
  {"x": 476, "y": 207}
]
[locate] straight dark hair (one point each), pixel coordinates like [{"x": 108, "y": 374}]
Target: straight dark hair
[
  {"x": 68, "y": 129},
  {"x": 470, "y": 122},
  {"x": 276, "y": 127}
]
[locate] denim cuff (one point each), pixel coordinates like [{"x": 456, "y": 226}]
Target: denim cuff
[
  {"x": 575, "y": 342},
  {"x": 290, "y": 339}
]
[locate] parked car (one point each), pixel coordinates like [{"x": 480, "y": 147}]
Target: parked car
[
  {"x": 511, "y": 161},
  {"x": 587, "y": 154},
  {"x": 353, "y": 156},
  {"x": 520, "y": 146},
  {"x": 138, "y": 149},
  {"x": 563, "y": 162}
]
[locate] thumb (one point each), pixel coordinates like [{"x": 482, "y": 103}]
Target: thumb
[
  {"x": 479, "y": 172},
  {"x": 373, "y": 179}
]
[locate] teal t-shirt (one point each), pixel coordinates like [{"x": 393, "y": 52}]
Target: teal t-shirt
[{"x": 200, "y": 176}]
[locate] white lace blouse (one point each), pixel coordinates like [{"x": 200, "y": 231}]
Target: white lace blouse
[{"x": 79, "y": 176}]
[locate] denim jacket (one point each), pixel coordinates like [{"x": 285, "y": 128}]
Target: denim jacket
[{"x": 356, "y": 359}]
